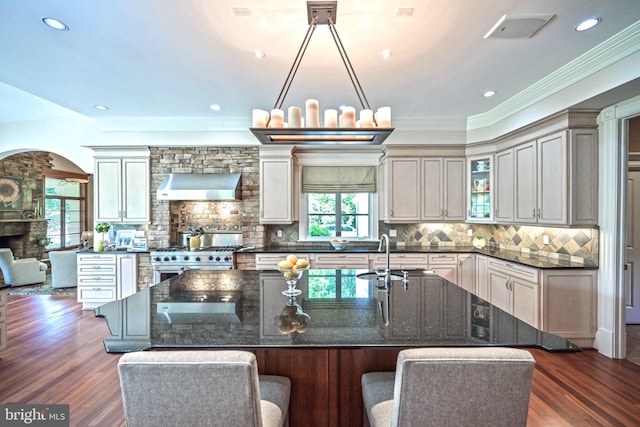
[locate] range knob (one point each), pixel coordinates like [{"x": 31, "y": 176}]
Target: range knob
[
  {"x": 227, "y": 258},
  {"x": 217, "y": 258},
  {"x": 166, "y": 258},
  {"x": 186, "y": 257},
  {"x": 197, "y": 258},
  {"x": 173, "y": 258},
  {"x": 210, "y": 257},
  {"x": 157, "y": 259}
]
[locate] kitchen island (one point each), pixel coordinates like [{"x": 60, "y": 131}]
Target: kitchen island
[{"x": 339, "y": 327}]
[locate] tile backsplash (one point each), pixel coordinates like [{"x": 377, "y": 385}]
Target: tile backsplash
[{"x": 566, "y": 244}]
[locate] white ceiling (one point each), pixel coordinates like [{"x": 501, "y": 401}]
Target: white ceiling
[{"x": 172, "y": 59}]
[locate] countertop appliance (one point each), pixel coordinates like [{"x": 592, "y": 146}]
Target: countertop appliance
[{"x": 173, "y": 260}]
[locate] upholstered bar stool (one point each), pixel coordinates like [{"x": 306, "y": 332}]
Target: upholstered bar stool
[
  {"x": 479, "y": 386},
  {"x": 200, "y": 388}
]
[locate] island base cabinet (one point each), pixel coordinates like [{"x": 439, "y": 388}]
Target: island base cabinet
[
  {"x": 331, "y": 376},
  {"x": 569, "y": 305}
]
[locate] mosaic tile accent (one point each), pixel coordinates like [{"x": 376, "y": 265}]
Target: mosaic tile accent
[{"x": 566, "y": 244}]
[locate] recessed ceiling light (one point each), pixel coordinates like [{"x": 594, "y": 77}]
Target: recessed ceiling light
[
  {"x": 259, "y": 54},
  {"x": 489, "y": 93},
  {"x": 386, "y": 53},
  {"x": 102, "y": 107},
  {"x": 55, "y": 24},
  {"x": 587, "y": 24},
  {"x": 215, "y": 107}
]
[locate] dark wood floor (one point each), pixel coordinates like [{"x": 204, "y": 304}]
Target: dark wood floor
[{"x": 56, "y": 355}]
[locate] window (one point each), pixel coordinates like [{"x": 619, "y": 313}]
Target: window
[
  {"x": 340, "y": 214},
  {"x": 65, "y": 210}
]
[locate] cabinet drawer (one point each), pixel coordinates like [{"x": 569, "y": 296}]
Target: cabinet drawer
[
  {"x": 415, "y": 261},
  {"x": 3, "y": 313},
  {"x": 97, "y": 280},
  {"x": 96, "y": 293},
  {"x": 94, "y": 258},
  {"x": 517, "y": 270},
  {"x": 332, "y": 260},
  {"x": 440, "y": 259},
  {"x": 97, "y": 269},
  {"x": 268, "y": 261}
]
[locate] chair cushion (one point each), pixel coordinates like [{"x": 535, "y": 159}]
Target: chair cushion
[
  {"x": 274, "y": 390},
  {"x": 377, "y": 388}
]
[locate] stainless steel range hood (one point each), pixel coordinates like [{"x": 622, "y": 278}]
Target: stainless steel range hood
[{"x": 200, "y": 186}]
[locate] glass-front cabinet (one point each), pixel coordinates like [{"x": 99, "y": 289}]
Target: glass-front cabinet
[{"x": 480, "y": 190}]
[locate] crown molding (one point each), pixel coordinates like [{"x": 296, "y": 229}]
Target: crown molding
[{"x": 619, "y": 46}]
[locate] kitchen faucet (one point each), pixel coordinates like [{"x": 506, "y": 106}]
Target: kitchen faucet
[{"x": 387, "y": 268}]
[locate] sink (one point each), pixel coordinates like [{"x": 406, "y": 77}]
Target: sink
[{"x": 378, "y": 275}]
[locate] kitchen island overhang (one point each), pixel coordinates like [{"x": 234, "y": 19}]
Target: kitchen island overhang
[{"x": 335, "y": 310}]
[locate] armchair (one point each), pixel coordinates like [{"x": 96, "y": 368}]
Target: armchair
[
  {"x": 19, "y": 272},
  {"x": 64, "y": 267}
]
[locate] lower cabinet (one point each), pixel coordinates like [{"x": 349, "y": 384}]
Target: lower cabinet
[
  {"x": 515, "y": 289},
  {"x": 3, "y": 319},
  {"x": 569, "y": 304},
  {"x": 105, "y": 277}
]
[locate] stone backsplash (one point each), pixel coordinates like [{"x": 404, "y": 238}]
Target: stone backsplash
[{"x": 565, "y": 244}]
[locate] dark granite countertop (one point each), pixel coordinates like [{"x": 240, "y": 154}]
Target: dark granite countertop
[
  {"x": 246, "y": 309},
  {"x": 4, "y": 286},
  {"x": 531, "y": 260}
]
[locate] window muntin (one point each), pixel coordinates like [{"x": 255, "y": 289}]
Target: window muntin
[
  {"x": 65, "y": 203},
  {"x": 352, "y": 219}
]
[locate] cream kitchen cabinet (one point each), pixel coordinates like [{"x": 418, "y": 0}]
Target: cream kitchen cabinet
[
  {"x": 422, "y": 189},
  {"x": 400, "y": 261},
  {"x": 456, "y": 268},
  {"x": 3, "y": 319},
  {"x": 515, "y": 289},
  {"x": 269, "y": 260},
  {"x": 480, "y": 201},
  {"x": 277, "y": 186},
  {"x": 569, "y": 304},
  {"x": 443, "y": 192},
  {"x": 554, "y": 180},
  {"x": 121, "y": 188},
  {"x": 105, "y": 277},
  {"x": 482, "y": 276},
  {"x": 504, "y": 179},
  {"x": 339, "y": 261}
]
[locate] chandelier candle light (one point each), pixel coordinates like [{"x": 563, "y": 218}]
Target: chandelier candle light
[{"x": 372, "y": 128}]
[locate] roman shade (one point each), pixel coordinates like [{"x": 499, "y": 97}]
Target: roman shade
[{"x": 338, "y": 179}]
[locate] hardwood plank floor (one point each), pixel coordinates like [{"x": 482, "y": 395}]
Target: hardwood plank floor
[{"x": 56, "y": 355}]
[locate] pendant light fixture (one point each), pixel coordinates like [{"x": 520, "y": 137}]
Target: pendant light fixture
[{"x": 270, "y": 128}]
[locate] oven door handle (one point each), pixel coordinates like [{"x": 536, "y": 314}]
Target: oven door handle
[{"x": 168, "y": 269}]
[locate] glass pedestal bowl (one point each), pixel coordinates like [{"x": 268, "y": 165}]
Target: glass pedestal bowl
[{"x": 292, "y": 277}]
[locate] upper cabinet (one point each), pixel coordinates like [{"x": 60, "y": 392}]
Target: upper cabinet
[
  {"x": 548, "y": 177},
  {"x": 277, "y": 191},
  {"x": 421, "y": 188},
  {"x": 121, "y": 186},
  {"x": 480, "y": 189}
]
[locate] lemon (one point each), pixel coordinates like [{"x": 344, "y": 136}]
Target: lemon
[
  {"x": 301, "y": 263},
  {"x": 292, "y": 259},
  {"x": 285, "y": 265}
]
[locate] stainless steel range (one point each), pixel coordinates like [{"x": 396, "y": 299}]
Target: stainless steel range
[{"x": 174, "y": 260}]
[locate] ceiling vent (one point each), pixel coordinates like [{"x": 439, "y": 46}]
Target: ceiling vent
[{"x": 517, "y": 26}]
